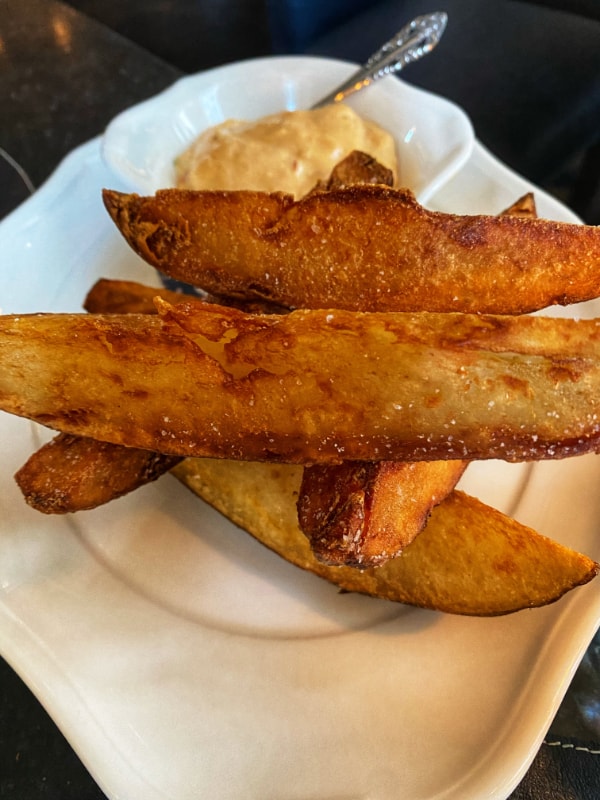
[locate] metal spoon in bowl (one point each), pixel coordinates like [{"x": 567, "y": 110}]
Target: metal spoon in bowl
[{"x": 411, "y": 43}]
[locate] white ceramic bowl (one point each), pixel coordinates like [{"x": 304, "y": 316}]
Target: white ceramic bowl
[{"x": 433, "y": 136}]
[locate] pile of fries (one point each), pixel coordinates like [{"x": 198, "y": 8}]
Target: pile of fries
[{"x": 345, "y": 358}]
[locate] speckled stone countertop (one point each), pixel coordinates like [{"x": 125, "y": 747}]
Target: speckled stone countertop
[{"x": 63, "y": 77}]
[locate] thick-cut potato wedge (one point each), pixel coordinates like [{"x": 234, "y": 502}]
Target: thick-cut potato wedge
[
  {"x": 369, "y": 248},
  {"x": 310, "y": 386},
  {"x": 73, "y": 473},
  {"x": 470, "y": 559},
  {"x": 109, "y": 296},
  {"x": 362, "y": 513}
]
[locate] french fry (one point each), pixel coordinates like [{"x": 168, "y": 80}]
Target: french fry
[
  {"x": 128, "y": 297},
  {"x": 508, "y": 568},
  {"x": 371, "y": 248},
  {"x": 362, "y": 513},
  {"x": 470, "y": 559},
  {"x": 309, "y": 386},
  {"x": 73, "y": 473},
  {"x": 357, "y": 168},
  {"x": 525, "y": 206}
]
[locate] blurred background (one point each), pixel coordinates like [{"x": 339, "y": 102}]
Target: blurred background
[{"x": 527, "y": 72}]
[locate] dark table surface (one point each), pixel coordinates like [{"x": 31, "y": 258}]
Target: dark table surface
[{"x": 62, "y": 78}]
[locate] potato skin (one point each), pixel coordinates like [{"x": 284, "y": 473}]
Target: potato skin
[
  {"x": 75, "y": 473},
  {"x": 370, "y": 248}
]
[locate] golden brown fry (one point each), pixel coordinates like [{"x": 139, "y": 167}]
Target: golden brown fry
[
  {"x": 127, "y": 297},
  {"x": 73, "y": 473},
  {"x": 357, "y": 168},
  {"x": 362, "y": 513},
  {"x": 310, "y": 386},
  {"x": 523, "y": 207},
  {"x": 369, "y": 248},
  {"x": 470, "y": 559}
]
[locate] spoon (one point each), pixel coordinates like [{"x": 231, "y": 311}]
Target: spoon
[{"x": 411, "y": 43}]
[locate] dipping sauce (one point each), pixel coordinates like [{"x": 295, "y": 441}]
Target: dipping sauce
[{"x": 286, "y": 152}]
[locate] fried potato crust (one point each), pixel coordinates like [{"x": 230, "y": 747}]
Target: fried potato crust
[
  {"x": 309, "y": 386},
  {"x": 370, "y": 248},
  {"x": 75, "y": 473},
  {"x": 362, "y": 513},
  {"x": 109, "y": 296},
  {"x": 524, "y": 206},
  {"x": 470, "y": 559},
  {"x": 357, "y": 168},
  {"x": 127, "y": 297}
]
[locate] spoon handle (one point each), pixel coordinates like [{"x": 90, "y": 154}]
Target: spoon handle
[{"x": 410, "y": 44}]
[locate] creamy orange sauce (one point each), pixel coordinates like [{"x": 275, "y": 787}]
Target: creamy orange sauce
[{"x": 286, "y": 152}]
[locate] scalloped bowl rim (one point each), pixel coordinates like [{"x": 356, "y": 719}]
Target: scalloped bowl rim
[{"x": 434, "y": 137}]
